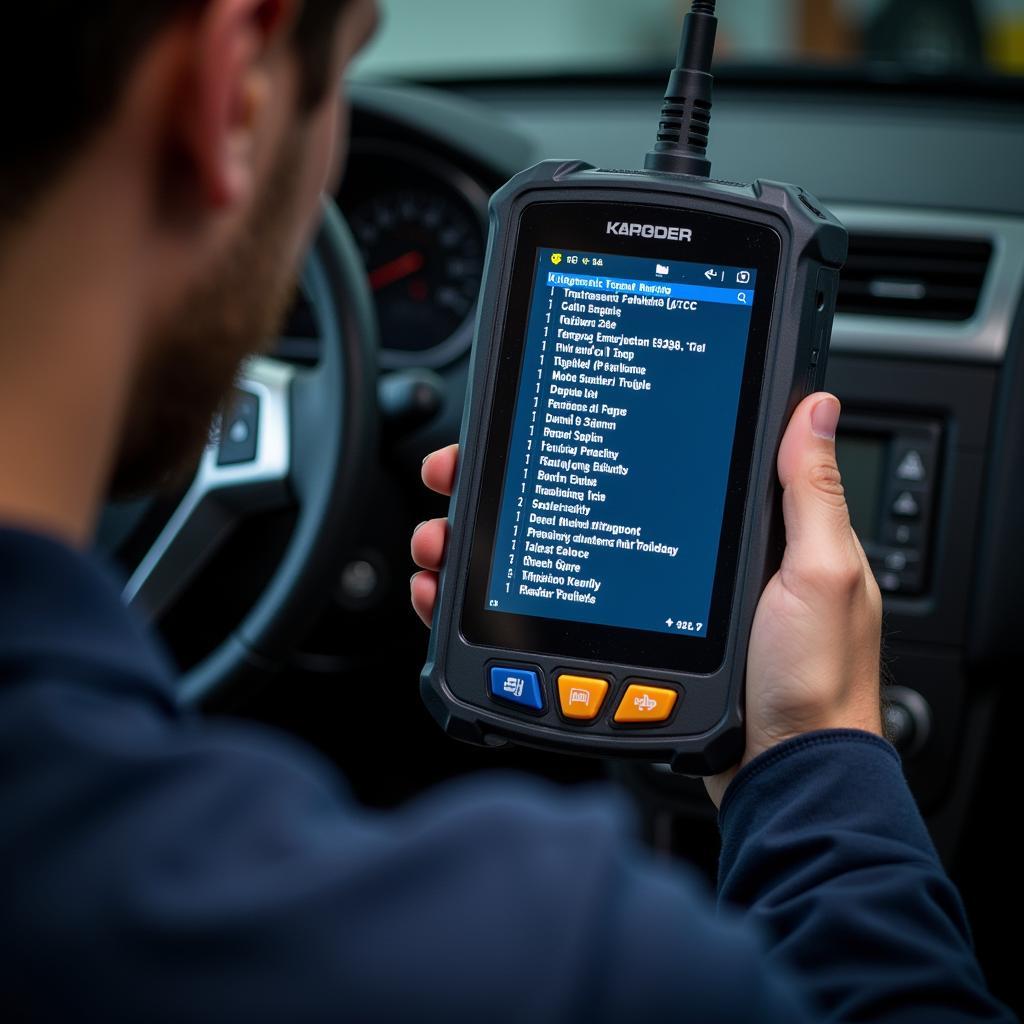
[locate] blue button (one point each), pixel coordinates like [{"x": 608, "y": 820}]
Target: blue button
[{"x": 517, "y": 686}]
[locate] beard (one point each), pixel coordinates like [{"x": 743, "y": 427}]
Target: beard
[{"x": 193, "y": 360}]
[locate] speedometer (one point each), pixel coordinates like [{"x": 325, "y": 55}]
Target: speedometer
[{"x": 424, "y": 252}]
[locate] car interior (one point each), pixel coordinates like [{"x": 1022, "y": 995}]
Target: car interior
[{"x": 279, "y": 577}]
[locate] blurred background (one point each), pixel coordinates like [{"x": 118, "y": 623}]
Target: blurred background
[{"x": 969, "y": 37}]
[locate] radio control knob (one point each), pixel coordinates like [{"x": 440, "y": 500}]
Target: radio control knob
[{"x": 908, "y": 719}]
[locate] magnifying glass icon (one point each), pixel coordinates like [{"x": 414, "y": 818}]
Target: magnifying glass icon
[{"x": 741, "y": 297}]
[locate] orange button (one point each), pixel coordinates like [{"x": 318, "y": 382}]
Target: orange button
[
  {"x": 581, "y": 697},
  {"x": 646, "y": 704}
]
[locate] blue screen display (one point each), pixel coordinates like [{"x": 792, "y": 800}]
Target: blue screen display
[{"x": 621, "y": 444}]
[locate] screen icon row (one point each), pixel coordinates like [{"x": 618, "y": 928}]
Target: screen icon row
[{"x": 712, "y": 274}]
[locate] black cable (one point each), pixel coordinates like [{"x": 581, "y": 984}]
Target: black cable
[{"x": 685, "y": 125}]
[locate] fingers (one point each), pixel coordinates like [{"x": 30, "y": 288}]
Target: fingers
[
  {"x": 429, "y": 539},
  {"x": 428, "y": 543},
  {"x": 423, "y": 587},
  {"x": 439, "y": 470},
  {"x": 819, "y": 538}
]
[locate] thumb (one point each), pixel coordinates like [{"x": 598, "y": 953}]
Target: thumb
[{"x": 818, "y": 532}]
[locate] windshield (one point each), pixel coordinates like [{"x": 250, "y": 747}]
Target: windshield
[{"x": 452, "y": 39}]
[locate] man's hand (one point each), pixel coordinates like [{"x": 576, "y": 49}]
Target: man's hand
[{"x": 814, "y": 654}]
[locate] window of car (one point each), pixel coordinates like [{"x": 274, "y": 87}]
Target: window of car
[{"x": 487, "y": 38}]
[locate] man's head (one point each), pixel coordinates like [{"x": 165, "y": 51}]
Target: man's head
[{"x": 217, "y": 122}]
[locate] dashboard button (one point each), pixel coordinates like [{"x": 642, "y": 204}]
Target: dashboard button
[
  {"x": 646, "y": 704},
  {"x": 581, "y": 697},
  {"x": 517, "y": 686},
  {"x": 904, "y": 534},
  {"x": 889, "y": 582},
  {"x": 896, "y": 561},
  {"x": 906, "y": 506},
  {"x": 911, "y": 467}
]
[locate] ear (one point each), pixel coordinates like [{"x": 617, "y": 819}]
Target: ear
[{"x": 231, "y": 87}]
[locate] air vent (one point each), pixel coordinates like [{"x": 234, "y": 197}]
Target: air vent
[
  {"x": 919, "y": 277},
  {"x": 299, "y": 342}
]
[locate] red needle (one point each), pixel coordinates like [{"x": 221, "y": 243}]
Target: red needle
[{"x": 394, "y": 271}]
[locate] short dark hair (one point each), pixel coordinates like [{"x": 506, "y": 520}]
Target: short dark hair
[{"x": 63, "y": 66}]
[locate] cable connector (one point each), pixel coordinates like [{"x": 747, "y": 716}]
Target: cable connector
[{"x": 685, "y": 123}]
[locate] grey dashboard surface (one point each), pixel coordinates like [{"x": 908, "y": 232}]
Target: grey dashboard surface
[
  {"x": 442, "y": 117},
  {"x": 876, "y": 147},
  {"x": 888, "y": 163}
]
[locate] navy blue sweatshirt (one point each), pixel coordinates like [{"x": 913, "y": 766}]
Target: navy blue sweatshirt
[{"x": 156, "y": 867}]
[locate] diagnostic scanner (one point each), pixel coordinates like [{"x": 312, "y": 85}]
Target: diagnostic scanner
[{"x": 642, "y": 340}]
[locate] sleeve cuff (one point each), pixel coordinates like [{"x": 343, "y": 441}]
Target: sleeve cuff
[{"x": 789, "y": 748}]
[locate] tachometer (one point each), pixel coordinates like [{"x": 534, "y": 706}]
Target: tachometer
[{"x": 424, "y": 252}]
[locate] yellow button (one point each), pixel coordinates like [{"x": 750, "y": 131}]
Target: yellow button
[
  {"x": 581, "y": 697},
  {"x": 646, "y": 704}
]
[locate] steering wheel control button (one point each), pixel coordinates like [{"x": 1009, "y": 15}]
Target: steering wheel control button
[
  {"x": 240, "y": 431},
  {"x": 644, "y": 704},
  {"x": 581, "y": 697},
  {"x": 517, "y": 686}
]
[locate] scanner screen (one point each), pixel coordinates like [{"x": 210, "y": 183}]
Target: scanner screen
[{"x": 618, "y": 464}]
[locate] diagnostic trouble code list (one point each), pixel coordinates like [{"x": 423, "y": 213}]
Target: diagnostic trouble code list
[{"x": 619, "y": 458}]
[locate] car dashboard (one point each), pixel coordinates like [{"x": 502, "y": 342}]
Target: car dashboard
[{"x": 927, "y": 357}]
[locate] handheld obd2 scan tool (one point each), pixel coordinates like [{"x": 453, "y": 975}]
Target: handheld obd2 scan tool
[{"x": 642, "y": 341}]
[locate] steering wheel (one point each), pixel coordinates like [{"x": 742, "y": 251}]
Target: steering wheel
[{"x": 296, "y": 436}]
